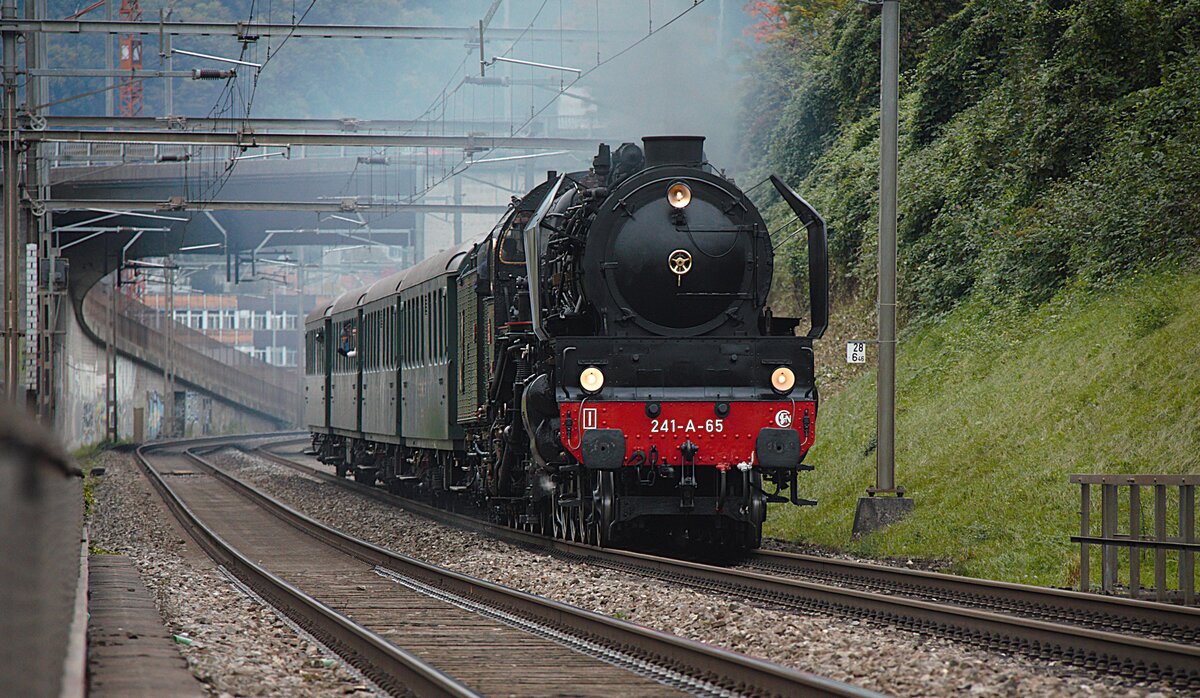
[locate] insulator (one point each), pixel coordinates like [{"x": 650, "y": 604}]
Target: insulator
[
  {"x": 174, "y": 157},
  {"x": 211, "y": 74},
  {"x": 372, "y": 160}
]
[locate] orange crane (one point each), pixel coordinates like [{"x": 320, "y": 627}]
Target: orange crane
[{"x": 131, "y": 59}]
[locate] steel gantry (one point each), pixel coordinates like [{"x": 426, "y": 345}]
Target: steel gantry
[
  {"x": 247, "y": 138},
  {"x": 28, "y": 207},
  {"x": 252, "y": 31}
]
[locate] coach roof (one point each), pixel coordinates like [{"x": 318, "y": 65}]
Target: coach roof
[
  {"x": 347, "y": 301},
  {"x": 318, "y": 313},
  {"x": 438, "y": 264},
  {"x": 387, "y": 286}
]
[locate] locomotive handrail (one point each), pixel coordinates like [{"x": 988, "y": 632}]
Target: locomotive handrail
[{"x": 818, "y": 257}]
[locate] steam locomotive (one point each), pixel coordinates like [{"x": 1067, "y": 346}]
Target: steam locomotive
[{"x": 601, "y": 367}]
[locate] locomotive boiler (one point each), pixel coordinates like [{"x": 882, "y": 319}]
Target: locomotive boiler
[{"x": 603, "y": 366}]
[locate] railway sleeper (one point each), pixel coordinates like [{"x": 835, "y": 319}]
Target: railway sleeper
[{"x": 1178, "y": 677}]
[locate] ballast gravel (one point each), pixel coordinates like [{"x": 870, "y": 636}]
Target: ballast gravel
[
  {"x": 233, "y": 644},
  {"x": 866, "y": 654}
]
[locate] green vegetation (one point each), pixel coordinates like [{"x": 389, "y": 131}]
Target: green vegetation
[
  {"x": 996, "y": 407},
  {"x": 1048, "y": 240},
  {"x": 1042, "y": 142},
  {"x": 86, "y": 457}
]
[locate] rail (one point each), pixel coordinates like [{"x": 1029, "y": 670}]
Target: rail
[
  {"x": 677, "y": 661},
  {"x": 1163, "y": 542},
  {"x": 1137, "y": 639},
  {"x": 197, "y": 359}
]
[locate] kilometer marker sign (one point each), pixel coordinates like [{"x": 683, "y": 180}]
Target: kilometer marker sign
[{"x": 856, "y": 352}]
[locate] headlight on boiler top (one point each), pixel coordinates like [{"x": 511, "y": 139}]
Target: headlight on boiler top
[
  {"x": 679, "y": 195},
  {"x": 591, "y": 380},
  {"x": 783, "y": 380}
]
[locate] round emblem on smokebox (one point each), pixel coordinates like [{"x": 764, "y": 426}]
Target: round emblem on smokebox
[
  {"x": 680, "y": 263},
  {"x": 783, "y": 419}
]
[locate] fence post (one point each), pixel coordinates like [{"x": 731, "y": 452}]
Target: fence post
[
  {"x": 1085, "y": 530},
  {"x": 1187, "y": 534},
  {"x": 1135, "y": 534},
  {"x": 1108, "y": 530},
  {"x": 1160, "y": 534}
]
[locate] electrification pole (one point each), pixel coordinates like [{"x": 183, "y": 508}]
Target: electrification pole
[
  {"x": 168, "y": 426},
  {"x": 458, "y": 199},
  {"x": 12, "y": 234},
  {"x": 889, "y": 97},
  {"x": 875, "y": 512}
]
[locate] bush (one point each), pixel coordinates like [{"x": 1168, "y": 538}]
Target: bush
[{"x": 1041, "y": 142}]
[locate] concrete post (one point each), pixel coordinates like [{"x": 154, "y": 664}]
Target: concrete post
[
  {"x": 889, "y": 100},
  {"x": 168, "y": 429},
  {"x": 13, "y": 262},
  {"x": 875, "y": 512}
]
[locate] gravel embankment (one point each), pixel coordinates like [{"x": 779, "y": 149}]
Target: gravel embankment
[
  {"x": 240, "y": 647},
  {"x": 877, "y": 657}
]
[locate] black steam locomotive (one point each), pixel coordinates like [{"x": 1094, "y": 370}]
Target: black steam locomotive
[{"x": 602, "y": 366}]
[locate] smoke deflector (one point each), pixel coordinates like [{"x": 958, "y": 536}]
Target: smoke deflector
[
  {"x": 533, "y": 258},
  {"x": 818, "y": 257}
]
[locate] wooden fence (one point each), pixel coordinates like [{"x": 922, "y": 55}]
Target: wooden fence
[{"x": 1167, "y": 535}]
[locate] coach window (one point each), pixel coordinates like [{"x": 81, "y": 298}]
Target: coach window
[
  {"x": 369, "y": 345},
  {"x": 422, "y": 321},
  {"x": 438, "y": 337},
  {"x": 364, "y": 345},
  {"x": 368, "y": 335},
  {"x": 446, "y": 319},
  {"x": 445, "y": 326},
  {"x": 347, "y": 341},
  {"x": 373, "y": 347}
]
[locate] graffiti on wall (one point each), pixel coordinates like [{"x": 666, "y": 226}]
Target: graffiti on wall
[
  {"x": 197, "y": 415},
  {"x": 155, "y": 412}
]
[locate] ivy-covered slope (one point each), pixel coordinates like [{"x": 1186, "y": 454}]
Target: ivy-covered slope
[
  {"x": 1048, "y": 239},
  {"x": 1041, "y": 140}
]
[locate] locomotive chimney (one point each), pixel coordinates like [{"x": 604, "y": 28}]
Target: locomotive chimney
[{"x": 674, "y": 150}]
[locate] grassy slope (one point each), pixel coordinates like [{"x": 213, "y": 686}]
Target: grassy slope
[{"x": 996, "y": 408}]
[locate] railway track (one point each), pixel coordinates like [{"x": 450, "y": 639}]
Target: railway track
[
  {"x": 413, "y": 628},
  {"x": 1135, "y": 639}
]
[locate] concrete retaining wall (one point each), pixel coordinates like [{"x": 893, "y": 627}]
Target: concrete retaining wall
[{"x": 81, "y": 405}]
